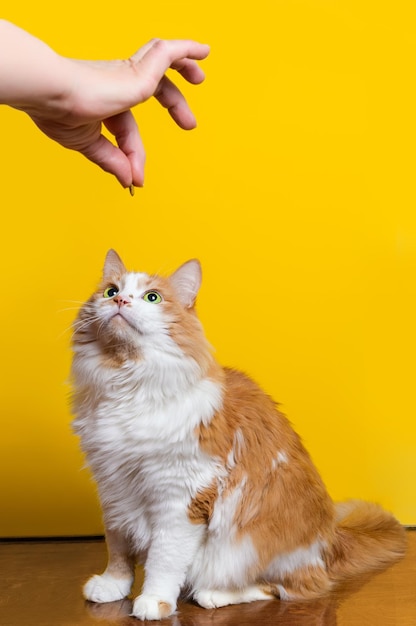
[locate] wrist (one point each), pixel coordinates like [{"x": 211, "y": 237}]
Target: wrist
[{"x": 32, "y": 75}]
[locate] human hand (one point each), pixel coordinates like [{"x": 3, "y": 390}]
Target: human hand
[{"x": 104, "y": 92}]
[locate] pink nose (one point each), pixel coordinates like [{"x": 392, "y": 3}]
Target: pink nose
[{"x": 122, "y": 300}]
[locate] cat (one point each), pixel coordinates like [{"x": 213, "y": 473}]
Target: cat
[{"x": 200, "y": 477}]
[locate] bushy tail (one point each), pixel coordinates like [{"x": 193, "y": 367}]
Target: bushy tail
[{"x": 367, "y": 539}]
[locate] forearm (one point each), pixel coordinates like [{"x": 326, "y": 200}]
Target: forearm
[{"x": 31, "y": 73}]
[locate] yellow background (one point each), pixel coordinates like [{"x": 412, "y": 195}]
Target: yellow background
[{"x": 296, "y": 192}]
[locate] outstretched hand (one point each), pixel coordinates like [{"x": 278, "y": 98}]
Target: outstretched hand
[
  {"x": 104, "y": 92},
  {"x": 70, "y": 100}
]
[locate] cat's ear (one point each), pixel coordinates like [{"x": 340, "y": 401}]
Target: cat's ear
[
  {"x": 113, "y": 266},
  {"x": 187, "y": 281}
]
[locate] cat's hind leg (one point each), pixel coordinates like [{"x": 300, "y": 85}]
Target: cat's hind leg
[
  {"x": 291, "y": 581},
  {"x": 116, "y": 582},
  {"x": 215, "y": 598}
]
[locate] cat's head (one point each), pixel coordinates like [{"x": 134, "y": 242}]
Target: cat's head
[{"x": 133, "y": 315}]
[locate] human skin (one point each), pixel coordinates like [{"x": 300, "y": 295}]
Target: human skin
[{"x": 70, "y": 99}]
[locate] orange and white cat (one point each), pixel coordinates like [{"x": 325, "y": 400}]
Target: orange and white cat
[{"x": 200, "y": 477}]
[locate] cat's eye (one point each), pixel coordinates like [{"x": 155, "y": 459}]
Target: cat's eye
[
  {"x": 110, "y": 292},
  {"x": 153, "y": 297}
]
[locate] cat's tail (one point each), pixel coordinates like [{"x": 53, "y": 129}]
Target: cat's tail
[{"x": 367, "y": 539}]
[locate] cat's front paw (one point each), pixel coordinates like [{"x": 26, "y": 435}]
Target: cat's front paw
[
  {"x": 147, "y": 607},
  {"x": 106, "y": 588}
]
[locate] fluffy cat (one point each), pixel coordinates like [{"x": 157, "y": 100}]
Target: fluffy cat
[{"x": 200, "y": 477}]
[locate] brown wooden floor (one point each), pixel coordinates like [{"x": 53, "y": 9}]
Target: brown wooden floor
[{"x": 40, "y": 585}]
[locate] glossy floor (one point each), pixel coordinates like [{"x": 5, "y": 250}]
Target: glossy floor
[{"x": 40, "y": 586}]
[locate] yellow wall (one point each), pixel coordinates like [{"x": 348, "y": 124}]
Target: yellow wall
[{"x": 296, "y": 192}]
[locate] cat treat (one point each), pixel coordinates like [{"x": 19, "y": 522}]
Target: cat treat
[{"x": 201, "y": 478}]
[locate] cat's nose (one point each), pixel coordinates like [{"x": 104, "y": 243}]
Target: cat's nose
[{"x": 122, "y": 300}]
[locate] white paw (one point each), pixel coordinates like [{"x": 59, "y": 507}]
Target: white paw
[
  {"x": 106, "y": 588},
  {"x": 213, "y": 598},
  {"x": 254, "y": 593},
  {"x": 151, "y": 608}
]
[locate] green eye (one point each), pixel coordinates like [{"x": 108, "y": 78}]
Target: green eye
[
  {"x": 110, "y": 292},
  {"x": 153, "y": 297}
]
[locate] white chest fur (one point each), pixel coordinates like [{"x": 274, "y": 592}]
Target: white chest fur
[{"x": 138, "y": 432}]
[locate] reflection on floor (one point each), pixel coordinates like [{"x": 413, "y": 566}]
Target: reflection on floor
[{"x": 40, "y": 585}]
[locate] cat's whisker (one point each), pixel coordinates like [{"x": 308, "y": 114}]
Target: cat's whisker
[
  {"x": 76, "y": 326},
  {"x": 65, "y": 331},
  {"x": 100, "y": 327},
  {"x": 80, "y": 325},
  {"x": 70, "y": 308},
  {"x": 86, "y": 322},
  {"x": 79, "y": 304}
]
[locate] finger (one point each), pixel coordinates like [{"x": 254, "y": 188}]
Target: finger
[
  {"x": 110, "y": 158},
  {"x": 190, "y": 70},
  {"x": 173, "y": 49},
  {"x": 124, "y": 128},
  {"x": 126, "y": 161},
  {"x": 157, "y": 56},
  {"x": 172, "y": 99}
]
